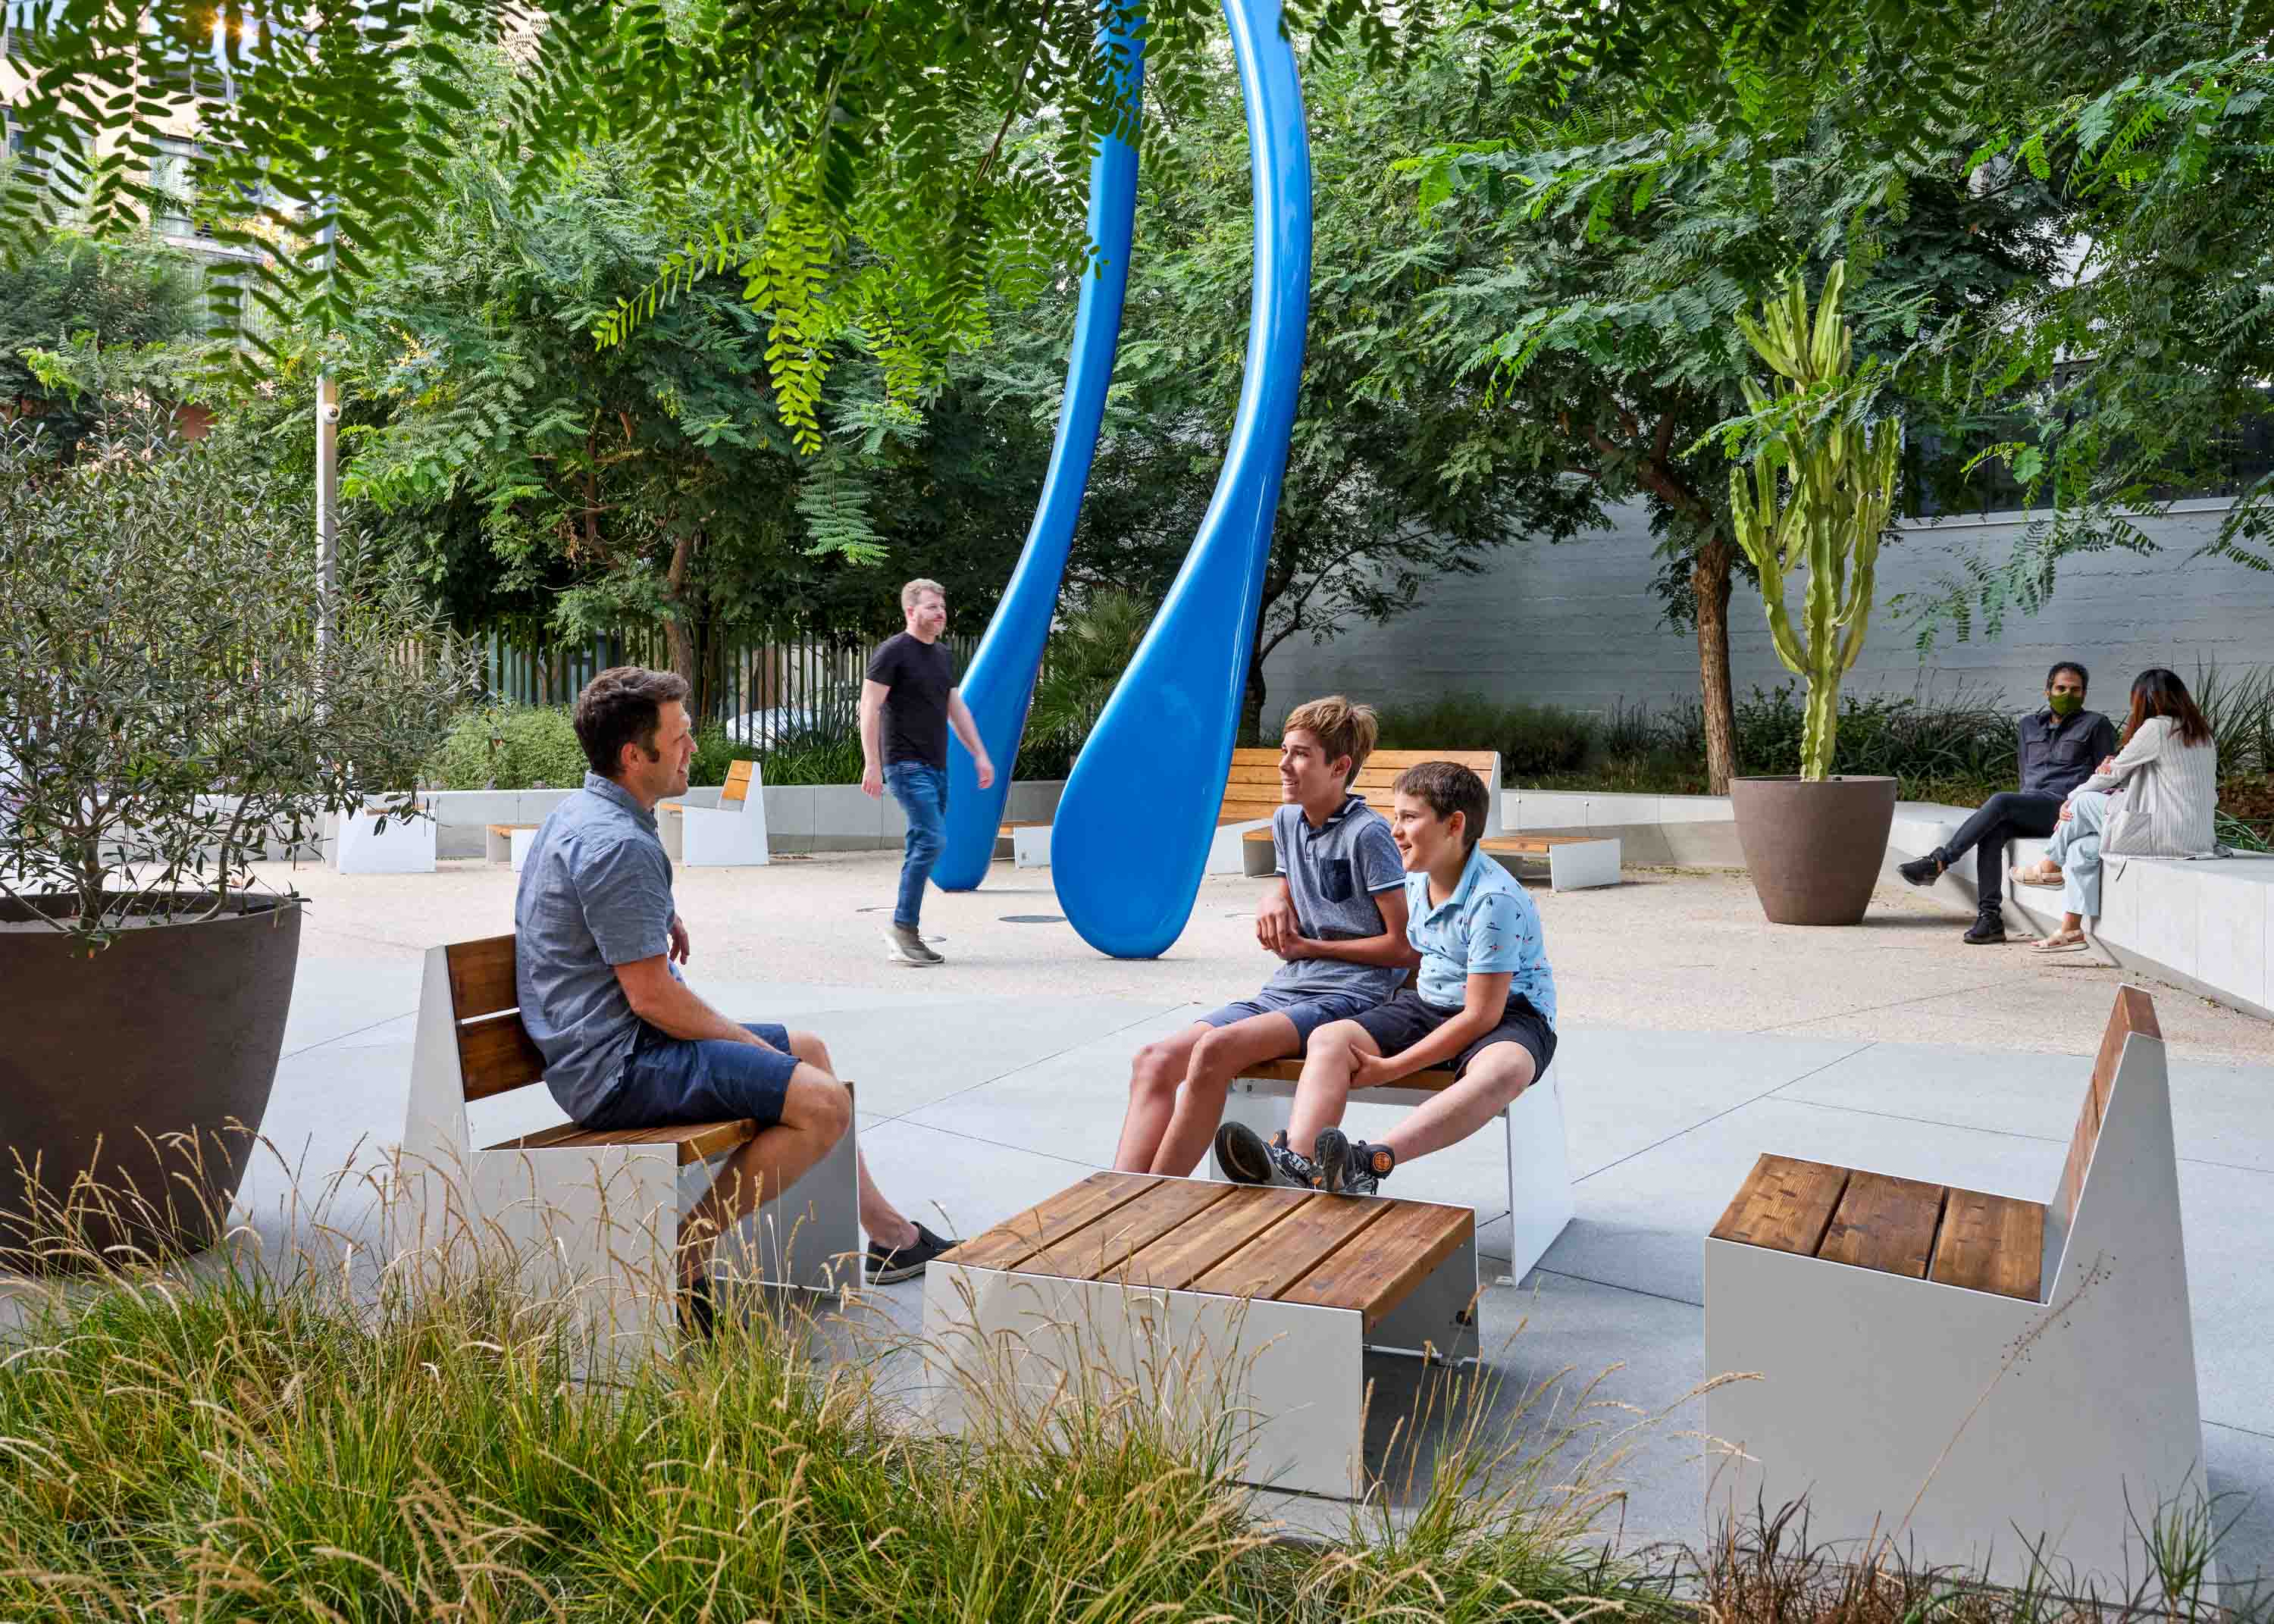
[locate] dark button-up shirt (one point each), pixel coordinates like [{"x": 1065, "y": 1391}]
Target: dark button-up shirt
[{"x": 2059, "y": 753}]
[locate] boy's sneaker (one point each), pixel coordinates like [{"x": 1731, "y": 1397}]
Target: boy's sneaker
[
  {"x": 1351, "y": 1166},
  {"x": 1922, "y": 870},
  {"x": 1247, "y": 1160},
  {"x": 887, "y": 1264},
  {"x": 905, "y": 946}
]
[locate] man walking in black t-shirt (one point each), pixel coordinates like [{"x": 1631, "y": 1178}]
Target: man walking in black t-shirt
[{"x": 908, "y": 704}]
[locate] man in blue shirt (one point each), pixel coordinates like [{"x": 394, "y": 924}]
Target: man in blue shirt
[
  {"x": 1484, "y": 1005},
  {"x": 625, "y": 1044}
]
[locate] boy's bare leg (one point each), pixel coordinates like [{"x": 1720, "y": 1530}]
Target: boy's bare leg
[
  {"x": 1324, "y": 1093},
  {"x": 1155, "y": 1074},
  {"x": 817, "y": 1112},
  {"x": 879, "y": 1217},
  {"x": 1499, "y": 1073},
  {"x": 1220, "y": 1055}
]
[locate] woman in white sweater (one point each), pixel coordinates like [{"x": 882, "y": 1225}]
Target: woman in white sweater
[{"x": 2154, "y": 798}]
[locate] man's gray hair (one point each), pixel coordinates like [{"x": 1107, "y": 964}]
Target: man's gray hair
[{"x": 917, "y": 588}]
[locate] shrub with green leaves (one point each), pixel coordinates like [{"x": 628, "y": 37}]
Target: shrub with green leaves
[
  {"x": 167, "y": 707},
  {"x": 510, "y": 746},
  {"x": 1532, "y": 739}
]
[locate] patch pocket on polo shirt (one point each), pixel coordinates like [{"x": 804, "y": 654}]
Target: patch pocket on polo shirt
[{"x": 1335, "y": 881}]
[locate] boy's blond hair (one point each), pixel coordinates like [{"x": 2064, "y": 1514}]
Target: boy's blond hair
[
  {"x": 917, "y": 588},
  {"x": 1341, "y": 728}
]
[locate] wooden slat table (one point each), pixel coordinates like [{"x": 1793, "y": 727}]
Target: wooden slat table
[{"x": 1217, "y": 1299}]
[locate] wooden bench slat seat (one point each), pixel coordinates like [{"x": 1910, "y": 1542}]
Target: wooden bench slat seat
[
  {"x": 1228, "y": 1240},
  {"x": 1896, "y": 1226},
  {"x": 506, "y": 828},
  {"x": 733, "y": 793},
  {"x": 698, "y": 1141}
]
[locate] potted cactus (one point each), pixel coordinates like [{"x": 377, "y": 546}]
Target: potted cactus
[{"x": 1814, "y": 496}]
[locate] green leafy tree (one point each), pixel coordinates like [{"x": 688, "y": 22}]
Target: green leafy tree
[
  {"x": 1621, "y": 253},
  {"x": 75, "y": 293},
  {"x": 878, "y": 166}
]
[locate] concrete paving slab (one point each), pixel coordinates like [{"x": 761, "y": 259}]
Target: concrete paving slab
[
  {"x": 2220, "y": 1113},
  {"x": 334, "y": 997},
  {"x": 958, "y": 1184},
  {"x": 2225, "y": 1214}
]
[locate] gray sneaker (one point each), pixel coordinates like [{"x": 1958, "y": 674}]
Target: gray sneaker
[{"x": 905, "y": 946}]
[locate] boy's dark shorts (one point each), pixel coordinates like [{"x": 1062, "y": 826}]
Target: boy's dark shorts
[
  {"x": 1404, "y": 1020},
  {"x": 1309, "y": 1011},
  {"x": 671, "y": 1080}
]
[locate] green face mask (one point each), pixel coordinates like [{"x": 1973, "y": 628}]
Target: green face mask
[{"x": 2065, "y": 704}]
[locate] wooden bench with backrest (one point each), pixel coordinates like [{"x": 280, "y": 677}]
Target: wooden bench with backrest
[
  {"x": 1575, "y": 862},
  {"x": 586, "y": 1211},
  {"x": 731, "y": 834},
  {"x": 1251, "y": 795},
  {"x": 2016, "y": 1367},
  {"x": 1210, "y": 1301}
]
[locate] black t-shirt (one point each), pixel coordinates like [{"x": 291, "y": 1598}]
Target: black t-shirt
[{"x": 921, "y": 675}]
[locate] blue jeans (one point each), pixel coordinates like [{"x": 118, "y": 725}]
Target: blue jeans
[
  {"x": 922, "y": 792},
  {"x": 2076, "y": 848}
]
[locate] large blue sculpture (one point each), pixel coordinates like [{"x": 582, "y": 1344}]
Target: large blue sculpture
[
  {"x": 1000, "y": 681},
  {"x": 1132, "y": 835}
]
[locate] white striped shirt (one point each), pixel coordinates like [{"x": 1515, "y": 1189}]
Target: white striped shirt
[{"x": 2165, "y": 794}]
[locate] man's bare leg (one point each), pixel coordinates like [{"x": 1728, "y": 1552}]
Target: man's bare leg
[
  {"x": 1221, "y": 1054},
  {"x": 1154, "y": 1073},
  {"x": 1499, "y": 1073},
  {"x": 1324, "y": 1093},
  {"x": 880, "y": 1218},
  {"x": 817, "y": 1112}
]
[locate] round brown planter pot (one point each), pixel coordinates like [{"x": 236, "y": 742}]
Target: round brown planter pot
[
  {"x": 146, "y": 1068},
  {"x": 1813, "y": 850}
]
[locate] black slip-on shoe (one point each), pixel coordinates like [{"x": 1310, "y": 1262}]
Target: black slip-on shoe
[
  {"x": 887, "y": 1264},
  {"x": 698, "y": 1311},
  {"x": 1988, "y": 929},
  {"x": 1922, "y": 870}
]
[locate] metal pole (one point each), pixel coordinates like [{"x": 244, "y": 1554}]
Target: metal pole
[{"x": 327, "y": 476}]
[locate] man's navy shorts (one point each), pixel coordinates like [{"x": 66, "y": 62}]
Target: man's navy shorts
[
  {"x": 1309, "y": 1011},
  {"x": 1398, "y": 1025},
  {"x": 674, "y": 1079}
]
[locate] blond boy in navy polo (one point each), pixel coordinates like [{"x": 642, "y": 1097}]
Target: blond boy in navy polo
[{"x": 1484, "y": 1005}]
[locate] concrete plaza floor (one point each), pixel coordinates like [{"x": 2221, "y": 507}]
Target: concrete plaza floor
[{"x": 1695, "y": 1036}]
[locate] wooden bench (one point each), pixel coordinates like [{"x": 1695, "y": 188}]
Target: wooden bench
[
  {"x": 2019, "y": 1369},
  {"x": 1540, "y": 1201},
  {"x": 1575, "y": 862},
  {"x": 1251, "y": 795},
  {"x": 508, "y": 842},
  {"x": 1210, "y": 1299},
  {"x": 731, "y": 834},
  {"x": 590, "y": 1216}
]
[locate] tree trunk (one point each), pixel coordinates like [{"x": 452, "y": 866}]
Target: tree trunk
[
  {"x": 678, "y": 633},
  {"x": 1709, "y": 583},
  {"x": 1251, "y": 704}
]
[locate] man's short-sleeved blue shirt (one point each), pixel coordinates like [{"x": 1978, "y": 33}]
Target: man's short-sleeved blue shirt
[
  {"x": 595, "y": 893},
  {"x": 1486, "y": 926}
]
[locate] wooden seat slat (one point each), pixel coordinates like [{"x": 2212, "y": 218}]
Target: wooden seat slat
[
  {"x": 1379, "y": 1269},
  {"x": 1097, "y": 1249},
  {"x": 1535, "y": 843},
  {"x": 1018, "y": 1238},
  {"x": 1174, "y": 1260},
  {"x": 1785, "y": 1204},
  {"x": 506, "y": 828},
  {"x": 1435, "y": 1079},
  {"x": 496, "y": 1056},
  {"x": 1282, "y": 1254},
  {"x": 698, "y": 1141},
  {"x": 1991, "y": 1242},
  {"x": 1885, "y": 1223}
]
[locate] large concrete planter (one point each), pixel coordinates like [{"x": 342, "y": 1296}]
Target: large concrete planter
[
  {"x": 145, "y": 1068},
  {"x": 1813, "y": 849}
]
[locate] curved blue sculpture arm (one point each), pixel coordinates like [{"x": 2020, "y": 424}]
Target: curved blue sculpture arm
[
  {"x": 1131, "y": 836},
  {"x": 1001, "y": 679}
]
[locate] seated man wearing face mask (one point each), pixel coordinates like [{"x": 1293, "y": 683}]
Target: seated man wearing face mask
[{"x": 2060, "y": 745}]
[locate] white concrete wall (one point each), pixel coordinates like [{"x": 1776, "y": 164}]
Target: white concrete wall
[{"x": 1576, "y": 625}]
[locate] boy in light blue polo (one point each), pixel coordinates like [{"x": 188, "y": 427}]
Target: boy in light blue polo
[{"x": 1484, "y": 1003}]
